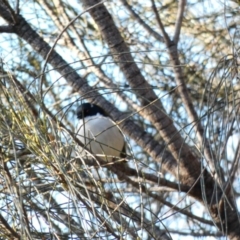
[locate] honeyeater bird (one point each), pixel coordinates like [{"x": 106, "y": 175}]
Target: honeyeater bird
[{"x": 99, "y": 133}]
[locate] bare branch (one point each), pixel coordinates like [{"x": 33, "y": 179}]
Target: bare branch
[
  {"x": 178, "y": 23},
  {"x": 160, "y": 24},
  {"x": 142, "y": 22},
  {"x": 12, "y": 16},
  {"x": 6, "y": 29},
  {"x": 178, "y": 124}
]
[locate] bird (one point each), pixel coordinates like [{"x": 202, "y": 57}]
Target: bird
[{"x": 99, "y": 133}]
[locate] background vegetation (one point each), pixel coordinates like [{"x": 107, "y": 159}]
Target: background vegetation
[{"x": 166, "y": 72}]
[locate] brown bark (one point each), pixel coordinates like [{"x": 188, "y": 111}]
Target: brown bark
[{"x": 179, "y": 160}]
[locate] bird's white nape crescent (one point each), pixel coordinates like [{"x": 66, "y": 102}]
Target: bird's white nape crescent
[{"x": 99, "y": 133}]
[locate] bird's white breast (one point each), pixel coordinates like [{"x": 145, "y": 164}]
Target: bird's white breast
[{"x": 101, "y": 136}]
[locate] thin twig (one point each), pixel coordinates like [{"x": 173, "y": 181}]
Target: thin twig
[
  {"x": 142, "y": 22},
  {"x": 159, "y": 21}
]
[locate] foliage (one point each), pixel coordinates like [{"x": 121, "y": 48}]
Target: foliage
[{"x": 166, "y": 72}]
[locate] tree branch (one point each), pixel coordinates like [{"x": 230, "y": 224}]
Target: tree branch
[
  {"x": 181, "y": 83},
  {"x": 178, "y": 23},
  {"x": 142, "y": 22},
  {"x": 159, "y": 21},
  {"x": 6, "y": 29},
  {"x": 158, "y": 152},
  {"x": 189, "y": 166},
  {"x": 190, "y": 169}
]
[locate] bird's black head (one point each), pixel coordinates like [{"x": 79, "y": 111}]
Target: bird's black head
[{"x": 88, "y": 109}]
